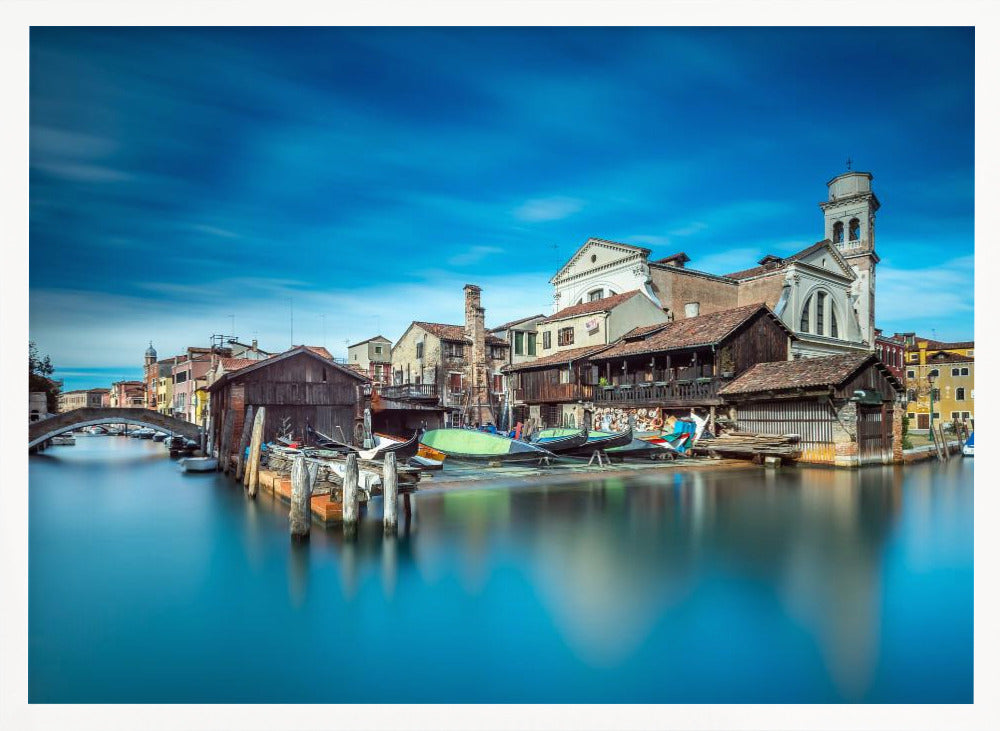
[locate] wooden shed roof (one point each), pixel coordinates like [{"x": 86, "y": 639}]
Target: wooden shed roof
[
  {"x": 274, "y": 359},
  {"x": 560, "y": 358},
  {"x": 691, "y": 332},
  {"x": 831, "y": 370}
]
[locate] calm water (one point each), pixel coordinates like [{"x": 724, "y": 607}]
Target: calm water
[{"x": 148, "y": 585}]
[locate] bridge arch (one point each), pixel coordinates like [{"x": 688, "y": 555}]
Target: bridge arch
[{"x": 42, "y": 431}]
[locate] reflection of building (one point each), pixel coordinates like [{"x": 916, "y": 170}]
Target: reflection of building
[{"x": 943, "y": 373}]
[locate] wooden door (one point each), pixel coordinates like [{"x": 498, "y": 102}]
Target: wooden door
[{"x": 923, "y": 421}]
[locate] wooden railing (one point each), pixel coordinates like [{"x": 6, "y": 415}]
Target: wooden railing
[
  {"x": 410, "y": 391},
  {"x": 554, "y": 392},
  {"x": 680, "y": 391}
]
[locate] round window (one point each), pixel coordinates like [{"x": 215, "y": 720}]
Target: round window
[{"x": 593, "y": 258}]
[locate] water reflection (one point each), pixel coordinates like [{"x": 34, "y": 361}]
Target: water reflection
[{"x": 747, "y": 585}]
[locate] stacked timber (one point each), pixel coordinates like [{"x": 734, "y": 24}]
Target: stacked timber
[{"x": 750, "y": 445}]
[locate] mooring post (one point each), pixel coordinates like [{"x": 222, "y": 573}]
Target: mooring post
[
  {"x": 351, "y": 496},
  {"x": 390, "y": 489},
  {"x": 244, "y": 441},
  {"x": 252, "y": 476},
  {"x": 299, "y": 515},
  {"x": 226, "y": 441}
]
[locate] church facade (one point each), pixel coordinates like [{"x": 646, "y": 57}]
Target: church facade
[{"x": 824, "y": 294}]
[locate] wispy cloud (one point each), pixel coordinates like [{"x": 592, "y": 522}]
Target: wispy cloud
[
  {"x": 473, "y": 255},
  {"x": 548, "y": 209},
  {"x": 940, "y": 296}
]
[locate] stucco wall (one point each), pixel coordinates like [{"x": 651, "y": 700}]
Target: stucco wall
[{"x": 676, "y": 287}]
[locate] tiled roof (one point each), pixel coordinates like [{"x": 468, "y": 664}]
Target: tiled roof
[
  {"x": 317, "y": 349},
  {"x": 643, "y": 330},
  {"x": 773, "y": 267},
  {"x": 679, "y": 256},
  {"x": 563, "y": 356},
  {"x": 454, "y": 332},
  {"x": 512, "y": 323},
  {"x": 586, "y": 308},
  {"x": 234, "y": 364},
  {"x": 377, "y": 337},
  {"x": 947, "y": 358},
  {"x": 941, "y": 345},
  {"x": 691, "y": 332},
  {"x": 831, "y": 370}
]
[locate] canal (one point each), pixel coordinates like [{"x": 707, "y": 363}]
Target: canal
[{"x": 804, "y": 585}]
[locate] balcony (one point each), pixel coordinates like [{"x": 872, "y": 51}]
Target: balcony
[
  {"x": 538, "y": 393},
  {"x": 680, "y": 392},
  {"x": 410, "y": 392}
]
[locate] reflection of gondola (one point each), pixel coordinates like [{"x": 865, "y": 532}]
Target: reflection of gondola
[
  {"x": 475, "y": 445},
  {"x": 603, "y": 440},
  {"x": 560, "y": 440}
]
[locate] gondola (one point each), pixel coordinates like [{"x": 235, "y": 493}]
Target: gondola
[
  {"x": 603, "y": 440},
  {"x": 468, "y": 444},
  {"x": 404, "y": 449},
  {"x": 560, "y": 440}
]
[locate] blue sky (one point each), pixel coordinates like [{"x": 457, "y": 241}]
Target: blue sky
[{"x": 183, "y": 176}]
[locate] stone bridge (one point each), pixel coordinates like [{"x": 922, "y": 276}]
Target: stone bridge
[{"x": 41, "y": 431}]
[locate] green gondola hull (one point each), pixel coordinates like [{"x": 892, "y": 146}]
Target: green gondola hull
[{"x": 476, "y": 445}]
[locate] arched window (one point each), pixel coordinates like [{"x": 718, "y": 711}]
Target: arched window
[
  {"x": 934, "y": 373},
  {"x": 820, "y": 307},
  {"x": 838, "y": 232},
  {"x": 804, "y": 321},
  {"x": 833, "y": 323},
  {"x": 854, "y": 229}
]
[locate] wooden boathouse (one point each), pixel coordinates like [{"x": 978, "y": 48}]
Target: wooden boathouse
[
  {"x": 845, "y": 408},
  {"x": 657, "y": 370},
  {"x": 299, "y": 387}
]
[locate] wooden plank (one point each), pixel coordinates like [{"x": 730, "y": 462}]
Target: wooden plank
[{"x": 244, "y": 441}]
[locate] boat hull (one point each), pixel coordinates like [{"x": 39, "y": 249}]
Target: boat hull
[
  {"x": 560, "y": 440},
  {"x": 467, "y": 444},
  {"x": 599, "y": 440}
]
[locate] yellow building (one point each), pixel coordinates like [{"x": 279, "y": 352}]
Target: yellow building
[
  {"x": 942, "y": 372},
  {"x": 165, "y": 395}
]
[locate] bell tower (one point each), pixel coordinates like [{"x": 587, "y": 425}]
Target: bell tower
[{"x": 849, "y": 222}]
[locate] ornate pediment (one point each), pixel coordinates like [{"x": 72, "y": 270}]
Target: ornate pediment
[
  {"x": 600, "y": 255},
  {"x": 829, "y": 259}
]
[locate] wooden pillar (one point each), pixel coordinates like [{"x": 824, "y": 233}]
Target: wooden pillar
[
  {"x": 299, "y": 516},
  {"x": 668, "y": 372},
  {"x": 244, "y": 441},
  {"x": 251, "y": 478},
  {"x": 390, "y": 489},
  {"x": 351, "y": 496},
  {"x": 226, "y": 440}
]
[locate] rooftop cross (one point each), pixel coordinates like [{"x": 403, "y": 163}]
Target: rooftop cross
[{"x": 848, "y": 164}]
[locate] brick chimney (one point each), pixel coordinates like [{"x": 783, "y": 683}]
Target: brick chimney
[{"x": 476, "y": 375}]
